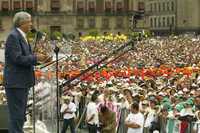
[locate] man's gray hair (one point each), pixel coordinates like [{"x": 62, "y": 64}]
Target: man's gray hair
[{"x": 20, "y": 17}]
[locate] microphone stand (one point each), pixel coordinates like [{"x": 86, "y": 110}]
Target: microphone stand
[
  {"x": 56, "y": 51},
  {"x": 33, "y": 88}
]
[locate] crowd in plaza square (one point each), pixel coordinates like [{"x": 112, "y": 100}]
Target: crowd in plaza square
[{"x": 153, "y": 87}]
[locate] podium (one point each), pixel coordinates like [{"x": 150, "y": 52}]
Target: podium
[{"x": 3, "y": 119}]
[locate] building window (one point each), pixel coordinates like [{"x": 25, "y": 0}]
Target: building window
[
  {"x": 141, "y": 6},
  {"x": 168, "y": 21},
  {"x": 119, "y": 7},
  {"x": 91, "y": 6},
  {"x": 164, "y": 6},
  {"x": 151, "y": 7},
  {"x": 159, "y": 22},
  {"x": 55, "y": 28},
  {"x": 80, "y": 23},
  {"x": 1, "y": 25},
  {"x": 17, "y": 5},
  {"x": 80, "y": 7},
  {"x": 172, "y": 21},
  {"x": 55, "y": 5},
  {"x": 172, "y": 6},
  {"x": 29, "y": 5},
  {"x": 40, "y": 2},
  {"x": 163, "y": 21},
  {"x": 159, "y": 7},
  {"x": 151, "y": 22},
  {"x": 119, "y": 23},
  {"x": 108, "y": 8},
  {"x": 155, "y": 22},
  {"x": 5, "y": 6},
  {"x": 168, "y": 7},
  {"x": 105, "y": 23},
  {"x": 91, "y": 23},
  {"x": 155, "y": 6}
]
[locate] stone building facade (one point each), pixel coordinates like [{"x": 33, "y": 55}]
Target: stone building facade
[
  {"x": 72, "y": 16},
  {"x": 75, "y": 16},
  {"x": 165, "y": 16}
]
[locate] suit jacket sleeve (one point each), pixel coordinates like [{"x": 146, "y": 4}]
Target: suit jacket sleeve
[{"x": 15, "y": 52}]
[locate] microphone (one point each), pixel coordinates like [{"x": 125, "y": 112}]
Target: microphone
[
  {"x": 38, "y": 36},
  {"x": 38, "y": 33},
  {"x": 33, "y": 30}
]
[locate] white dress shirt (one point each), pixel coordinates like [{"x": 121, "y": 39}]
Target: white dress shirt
[
  {"x": 138, "y": 119},
  {"x": 23, "y": 34},
  {"x": 92, "y": 110},
  {"x": 69, "y": 107}
]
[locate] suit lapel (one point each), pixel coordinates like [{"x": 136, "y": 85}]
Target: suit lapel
[{"x": 25, "y": 46}]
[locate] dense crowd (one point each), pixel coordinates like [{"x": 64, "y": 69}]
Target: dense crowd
[{"x": 131, "y": 102}]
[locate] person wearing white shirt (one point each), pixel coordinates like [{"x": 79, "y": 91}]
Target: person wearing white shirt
[
  {"x": 135, "y": 120},
  {"x": 92, "y": 118},
  {"x": 68, "y": 110}
]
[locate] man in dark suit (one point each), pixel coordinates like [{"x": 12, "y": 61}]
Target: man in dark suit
[{"x": 19, "y": 70}]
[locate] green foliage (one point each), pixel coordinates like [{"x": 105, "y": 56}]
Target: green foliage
[
  {"x": 93, "y": 32},
  {"x": 69, "y": 36},
  {"x": 56, "y": 35},
  {"x": 144, "y": 34},
  {"x": 30, "y": 36}
]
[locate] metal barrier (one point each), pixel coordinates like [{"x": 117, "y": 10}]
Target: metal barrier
[
  {"x": 81, "y": 119},
  {"x": 169, "y": 125}
]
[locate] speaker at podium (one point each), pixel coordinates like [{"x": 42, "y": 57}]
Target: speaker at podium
[{"x": 3, "y": 119}]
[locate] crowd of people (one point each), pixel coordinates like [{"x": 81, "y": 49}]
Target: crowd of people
[{"x": 153, "y": 87}]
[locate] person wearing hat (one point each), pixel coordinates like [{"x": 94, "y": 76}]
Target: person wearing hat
[
  {"x": 92, "y": 116},
  {"x": 68, "y": 110},
  {"x": 135, "y": 119}
]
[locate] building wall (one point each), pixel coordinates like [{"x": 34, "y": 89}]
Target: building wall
[
  {"x": 7, "y": 26},
  {"x": 67, "y": 17},
  {"x": 162, "y": 15},
  {"x": 188, "y": 14},
  {"x": 184, "y": 17}
]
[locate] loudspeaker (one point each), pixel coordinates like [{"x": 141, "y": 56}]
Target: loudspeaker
[{"x": 3, "y": 118}]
